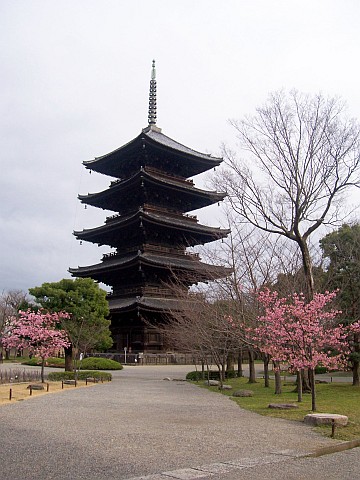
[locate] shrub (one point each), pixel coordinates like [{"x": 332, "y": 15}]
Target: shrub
[
  {"x": 17, "y": 375},
  {"x": 195, "y": 376},
  {"x": 81, "y": 375},
  {"x": 213, "y": 375},
  {"x": 49, "y": 362},
  {"x": 319, "y": 370},
  {"x": 98, "y": 363}
]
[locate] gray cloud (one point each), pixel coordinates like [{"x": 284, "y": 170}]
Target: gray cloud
[{"x": 74, "y": 85}]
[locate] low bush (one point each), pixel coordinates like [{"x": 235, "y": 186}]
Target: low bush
[
  {"x": 98, "y": 363},
  {"x": 49, "y": 362},
  {"x": 17, "y": 375},
  {"x": 319, "y": 370},
  {"x": 89, "y": 363},
  {"x": 81, "y": 375},
  {"x": 213, "y": 375}
]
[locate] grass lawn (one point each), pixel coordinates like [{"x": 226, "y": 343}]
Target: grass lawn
[{"x": 340, "y": 398}]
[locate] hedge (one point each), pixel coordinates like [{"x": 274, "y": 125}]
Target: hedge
[
  {"x": 88, "y": 363},
  {"x": 98, "y": 363},
  {"x": 81, "y": 375},
  {"x": 213, "y": 375},
  {"x": 49, "y": 362}
]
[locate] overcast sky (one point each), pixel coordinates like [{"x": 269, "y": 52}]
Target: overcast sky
[{"x": 74, "y": 85}]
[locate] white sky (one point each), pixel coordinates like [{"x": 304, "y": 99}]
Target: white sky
[{"x": 74, "y": 85}]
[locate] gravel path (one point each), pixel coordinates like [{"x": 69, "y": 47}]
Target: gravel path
[{"x": 140, "y": 425}]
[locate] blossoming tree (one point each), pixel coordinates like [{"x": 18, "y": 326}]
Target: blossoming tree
[
  {"x": 301, "y": 334},
  {"x": 38, "y": 333}
]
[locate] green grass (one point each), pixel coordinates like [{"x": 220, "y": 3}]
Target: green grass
[{"x": 340, "y": 398}]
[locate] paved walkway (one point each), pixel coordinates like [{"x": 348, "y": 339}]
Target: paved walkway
[{"x": 141, "y": 426}]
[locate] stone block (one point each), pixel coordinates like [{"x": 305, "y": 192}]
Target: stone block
[
  {"x": 243, "y": 393},
  {"x": 212, "y": 383},
  {"x": 283, "y": 406},
  {"x": 325, "y": 419}
]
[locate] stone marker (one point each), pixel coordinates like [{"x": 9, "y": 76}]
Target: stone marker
[
  {"x": 36, "y": 386},
  {"x": 243, "y": 393},
  {"x": 283, "y": 406},
  {"x": 69, "y": 382},
  {"x": 212, "y": 383},
  {"x": 325, "y": 419},
  {"x": 226, "y": 387}
]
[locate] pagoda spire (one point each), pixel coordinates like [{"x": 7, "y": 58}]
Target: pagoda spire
[{"x": 152, "y": 97}]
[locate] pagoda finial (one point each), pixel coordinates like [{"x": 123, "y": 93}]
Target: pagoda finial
[{"x": 152, "y": 97}]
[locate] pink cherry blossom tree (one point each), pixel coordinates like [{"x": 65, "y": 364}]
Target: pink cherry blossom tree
[
  {"x": 38, "y": 332},
  {"x": 301, "y": 334}
]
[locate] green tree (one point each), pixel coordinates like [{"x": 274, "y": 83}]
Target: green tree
[
  {"x": 342, "y": 249},
  {"x": 85, "y": 301}
]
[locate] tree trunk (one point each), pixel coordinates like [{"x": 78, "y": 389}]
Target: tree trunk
[
  {"x": 240, "y": 371},
  {"x": 278, "y": 386},
  {"x": 355, "y": 373},
  {"x": 355, "y": 362},
  {"x": 230, "y": 362},
  {"x": 68, "y": 359},
  {"x": 299, "y": 385},
  {"x": 307, "y": 266},
  {"x": 42, "y": 370},
  {"x": 313, "y": 392},
  {"x": 266, "y": 371},
  {"x": 306, "y": 382},
  {"x": 7, "y": 354},
  {"x": 221, "y": 383},
  {"x": 252, "y": 373},
  {"x": 222, "y": 374}
]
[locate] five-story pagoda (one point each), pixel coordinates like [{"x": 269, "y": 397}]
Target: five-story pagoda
[{"x": 150, "y": 230}]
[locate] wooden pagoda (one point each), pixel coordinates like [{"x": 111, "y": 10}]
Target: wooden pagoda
[{"x": 150, "y": 230}]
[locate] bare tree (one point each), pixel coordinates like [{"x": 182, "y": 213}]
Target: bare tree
[
  {"x": 10, "y": 303},
  {"x": 303, "y": 156},
  {"x": 200, "y": 325},
  {"x": 257, "y": 258}
]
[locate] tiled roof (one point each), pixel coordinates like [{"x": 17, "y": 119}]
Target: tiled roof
[
  {"x": 162, "y": 219},
  {"x": 105, "y": 163},
  {"x": 173, "y": 144},
  {"x": 185, "y": 262},
  {"x": 144, "y": 303},
  {"x": 108, "y": 198}
]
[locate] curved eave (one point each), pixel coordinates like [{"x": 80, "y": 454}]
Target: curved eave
[
  {"x": 175, "y": 223},
  {"x": 102, "y": 163},
  {"x": 202, "y": 271},
  {"x": 112, "y": 197},
  {"x": 110, "y": 163},
  {"x": 161, "y": 141},
  {"x": 144, "y": 304},
  {"x": 189, "y": 229}
]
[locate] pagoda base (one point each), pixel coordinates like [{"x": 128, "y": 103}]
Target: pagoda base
[{"x": 136, "y": 333}]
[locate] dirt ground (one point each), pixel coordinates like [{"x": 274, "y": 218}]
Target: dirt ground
[{"x": 20, "y": 391}]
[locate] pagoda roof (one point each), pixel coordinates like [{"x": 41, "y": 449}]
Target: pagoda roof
[
  {"x": 185, "y": 160},
  {"x": 191, "y": 232},
  {"x": 143, "y": 303},
  {"x": 106, "y": 270},
  {"x": 113, "y": 198}
]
